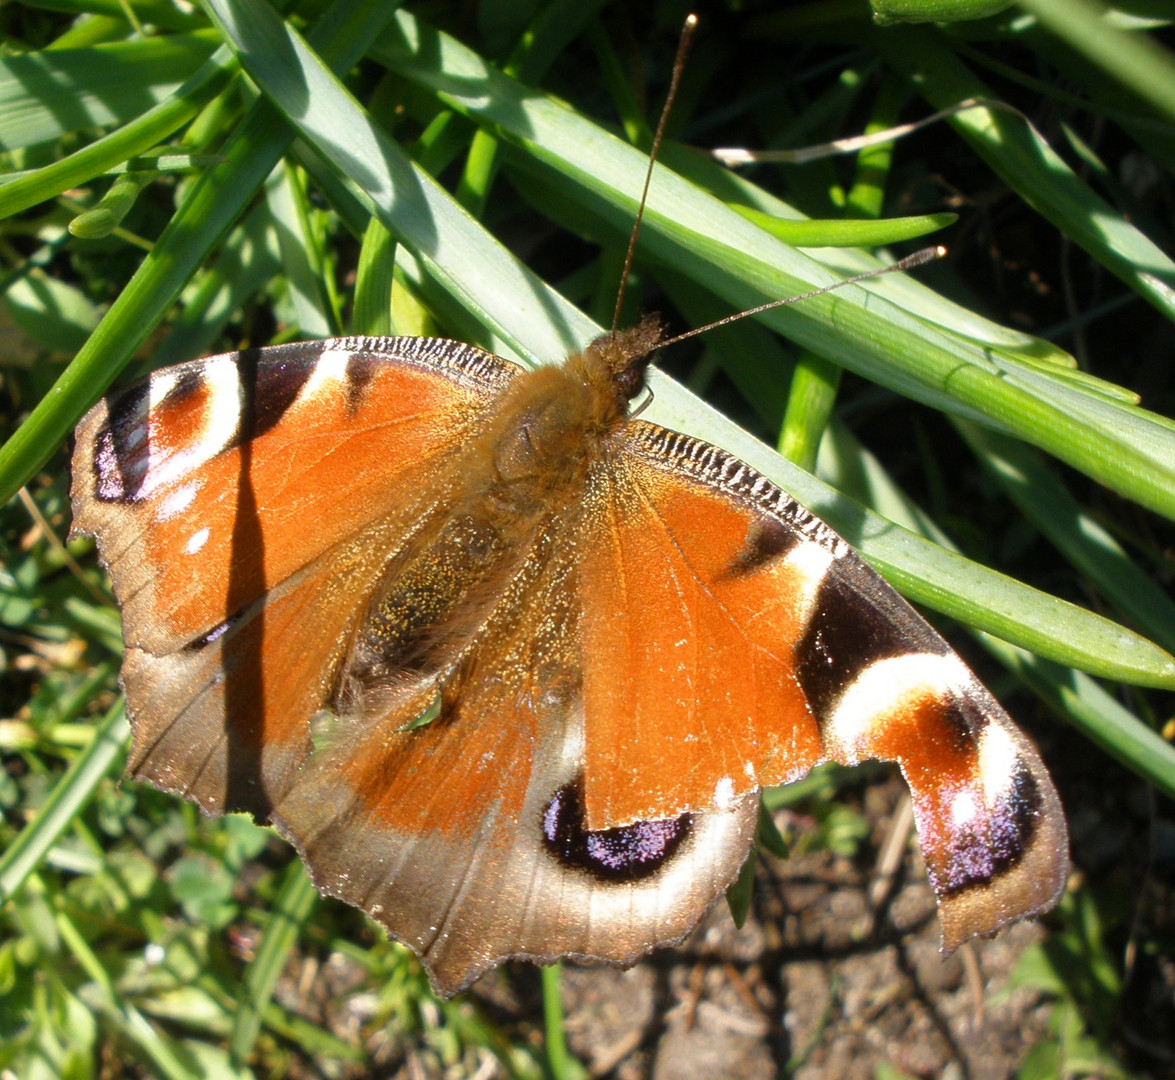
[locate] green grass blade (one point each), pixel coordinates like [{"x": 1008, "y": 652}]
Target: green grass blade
[
  {"x": 1096, "y": 714},
  {"x": 301, "y": 258},
  {"x": 70, "y": 794},
  {"x": 373, "y": 281},
  {"x": 907, "y": 291},
  {"x": 559, "y": 1059},
  {"x": 292, "y": 908},
  {"x": 460, "y": 254},
  {"x": 1134, "y": 59},
  {"x": 248, "y": 260},
  {"x": 1019, "y": 156},
  {"x": 47, "y": 94},
  {"x": 1126, "y": 449},
  {"x": 161, "y": 13},
  {"x": 208, "y": 211},
  {"x": 142, "y": 133},
  {"x": 1093, "y": 552},
  {"x": 167, "y": 1058},
  {"x": 849, "y": 233},
  {"x": 470, "y": 265}
]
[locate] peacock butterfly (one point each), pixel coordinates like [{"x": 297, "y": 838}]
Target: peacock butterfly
[{"x": 509, "y": 666}]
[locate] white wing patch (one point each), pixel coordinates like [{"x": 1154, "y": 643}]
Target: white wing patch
[
  {"x": 165, "y": 463},
  {"x": 964, "y": 809},
  {"x": 330, "y": 370},
  {"x": 881, "y": 688},
  {"x": 809, "y": 562},
  {"x": 999, "y": 760},
  {"x": 197, "y": 540},
  {"x": 176, "y": 502}
]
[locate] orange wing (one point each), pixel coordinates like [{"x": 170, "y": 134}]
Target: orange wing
[
  {"x": 731, "y": 640},
  {"x": 245, "y": 505},
  {"x": 690, "y": 620},
  {"x": 259, "y": 514}
]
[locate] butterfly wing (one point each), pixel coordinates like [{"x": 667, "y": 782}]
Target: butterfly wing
[
  {"x": 243, "y": 504},
  {"x": 464, "y": 836},
  {"x": 731, "y": 640}
]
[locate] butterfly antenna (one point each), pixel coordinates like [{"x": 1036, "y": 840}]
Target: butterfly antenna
[
  {"x": 683, "y": 44},
  {"x": 918, "y": 258}
]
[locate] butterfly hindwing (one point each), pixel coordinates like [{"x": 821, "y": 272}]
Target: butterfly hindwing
[{"x": 465, "y": 835}]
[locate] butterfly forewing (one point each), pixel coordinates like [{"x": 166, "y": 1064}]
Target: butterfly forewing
[
  {"x": 690, "y": 610},
  {"x": 732, "y": 641},
  {"x": 244, "y": 505}
]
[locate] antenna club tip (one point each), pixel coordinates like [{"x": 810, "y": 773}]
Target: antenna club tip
[
  {"x": 920, "y": 258},
  {"x": 691, "y": 21}
]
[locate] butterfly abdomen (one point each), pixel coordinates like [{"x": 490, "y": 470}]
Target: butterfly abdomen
[{"x": 400, "y": 631}]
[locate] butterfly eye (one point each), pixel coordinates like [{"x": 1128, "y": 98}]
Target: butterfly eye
[{"x": 630, "y": 382}]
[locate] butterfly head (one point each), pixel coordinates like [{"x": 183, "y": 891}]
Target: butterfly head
[{"x": 626, "y": 355}]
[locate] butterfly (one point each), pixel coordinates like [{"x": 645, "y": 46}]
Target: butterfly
[{"x": 509, "y": 666}]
